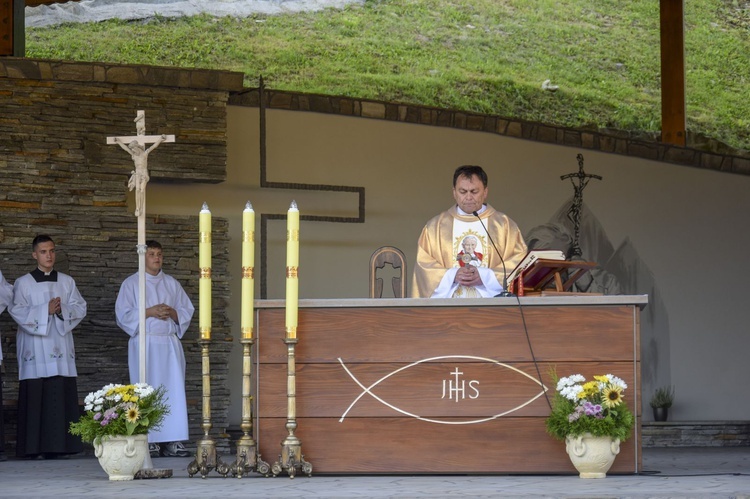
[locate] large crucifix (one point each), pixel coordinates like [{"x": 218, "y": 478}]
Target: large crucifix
[{"x": 135, "y": 145}]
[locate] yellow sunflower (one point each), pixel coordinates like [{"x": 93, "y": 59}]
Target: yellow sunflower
[
  {"x": 132, "y": 413},
  {"x": 611, "y": 396}
]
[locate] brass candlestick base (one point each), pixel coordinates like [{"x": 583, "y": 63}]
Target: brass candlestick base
[
  {"x": 291, "y": 459},
  {"x": 248, "y": 459},
  {"x": 205, "y": 460},
  {"x": 205, "y": 454}
]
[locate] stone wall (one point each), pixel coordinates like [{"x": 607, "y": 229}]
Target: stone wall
[
  {"x": 58, "y": 176},
  {"x": 696, "y": 434}
]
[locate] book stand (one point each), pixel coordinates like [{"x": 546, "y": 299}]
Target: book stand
[{"x": 545, "y": 277}]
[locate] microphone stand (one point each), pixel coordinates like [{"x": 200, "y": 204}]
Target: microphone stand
[{"x": 505, "y": 293}]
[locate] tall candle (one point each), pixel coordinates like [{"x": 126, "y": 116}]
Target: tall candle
[
  {"x": 204, "y": 261},
  {"x": 248, "y": 270},
  {"x": 292, "y": 265}
]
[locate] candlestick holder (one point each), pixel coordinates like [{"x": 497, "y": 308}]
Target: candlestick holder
[
  {"x": 248, "y": 457},
  {"x": 291, "y": 457},
  {"x": 205, "y": 456}
]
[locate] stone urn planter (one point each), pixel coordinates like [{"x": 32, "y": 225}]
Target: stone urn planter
[
  {"x": 592, "y": 456},
  {"x": 121, "y": 456}
]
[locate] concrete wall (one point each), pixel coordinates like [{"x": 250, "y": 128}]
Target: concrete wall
[{"x": 667, "y": 230}]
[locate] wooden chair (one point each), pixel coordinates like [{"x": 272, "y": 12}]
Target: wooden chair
[{"x": 394, "y": 256}]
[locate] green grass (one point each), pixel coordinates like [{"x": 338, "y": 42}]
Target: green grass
[{"x": 487, "y": 56}]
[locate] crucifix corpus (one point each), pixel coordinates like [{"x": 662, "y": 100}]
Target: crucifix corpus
[{"x": 136, "y": 146}]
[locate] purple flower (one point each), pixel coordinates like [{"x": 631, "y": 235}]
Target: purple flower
[
  {"x": 97, "y": 416},
  {"x": 592, "y": 409}
]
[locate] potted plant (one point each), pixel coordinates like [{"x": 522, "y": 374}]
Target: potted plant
[
  {"x": 661, "y": 401},
  {"x": 117, "y": 421},
  {"x": 592, "y": 418}
]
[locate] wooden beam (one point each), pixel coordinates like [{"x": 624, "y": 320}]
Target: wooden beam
[
  {"x": 34, "y": 3},
  {"x": 672, "y": 20},
  {"x": 6, "y": 27}
]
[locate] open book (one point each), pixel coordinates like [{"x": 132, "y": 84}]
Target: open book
[{"x": 531, "y": 257}]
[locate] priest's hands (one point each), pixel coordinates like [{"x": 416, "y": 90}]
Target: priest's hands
[{"x": 468, "y": 276}]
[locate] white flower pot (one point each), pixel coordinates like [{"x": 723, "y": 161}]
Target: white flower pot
[
  {"x": 121, "y": 456},
  {"x": 592, "y": 456}
]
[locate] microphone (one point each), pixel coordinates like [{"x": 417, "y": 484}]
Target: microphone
[{"x": 505, "y": 291}]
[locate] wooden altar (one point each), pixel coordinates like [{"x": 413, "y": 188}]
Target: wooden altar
[{"x": 439, "y": 386}]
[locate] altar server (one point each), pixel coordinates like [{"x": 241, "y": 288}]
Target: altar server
[
  {"x": 6, "y": 295},
  {"x": 168, "y": 315},
  {"x": 46, "y": 306}
]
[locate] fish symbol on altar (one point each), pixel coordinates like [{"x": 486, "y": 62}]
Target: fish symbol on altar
[{"x": 461, "y": 389}]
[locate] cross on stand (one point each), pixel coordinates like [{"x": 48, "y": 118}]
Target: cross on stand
[
  {"x": 574, "y": 213},
  {"x": 135, "y": 145}
]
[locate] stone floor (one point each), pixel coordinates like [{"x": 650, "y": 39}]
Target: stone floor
[{"x": 667, "y": 472}]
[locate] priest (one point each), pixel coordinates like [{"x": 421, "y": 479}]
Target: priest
[
  {"x": 47, "y": 307},
  {"x": 445, "y": 269},
  {"x": 168, "y": 315}
]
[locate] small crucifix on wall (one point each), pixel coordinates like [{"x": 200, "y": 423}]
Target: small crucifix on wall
[{"x": 574, "y": 213}]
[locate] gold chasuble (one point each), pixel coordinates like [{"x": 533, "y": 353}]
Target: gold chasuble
[{"x": 452, "y": 240}]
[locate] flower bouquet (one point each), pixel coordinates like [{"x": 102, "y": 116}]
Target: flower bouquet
[
  {"x": 121, "y": 410},
  {"x": 596, "y": 407}
]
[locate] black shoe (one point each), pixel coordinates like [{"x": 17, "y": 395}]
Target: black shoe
[{"x": 153, "y": 450}]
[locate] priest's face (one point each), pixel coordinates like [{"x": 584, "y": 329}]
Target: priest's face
[
  {"x": 469, "y": 193},
  {"x": 44, "y": 254},
  {"x": 153, "y": 260}
]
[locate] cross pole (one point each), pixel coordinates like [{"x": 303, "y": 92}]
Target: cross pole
[{"x": 135, "y": 145}]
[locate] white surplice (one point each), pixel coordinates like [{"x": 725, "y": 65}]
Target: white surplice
[
  {"x": 6, "y": 296},
  {"x": 44, "y": 341},
  {"x": 165, "y": 359}
]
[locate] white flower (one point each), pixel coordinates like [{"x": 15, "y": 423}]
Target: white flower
[
  {"x": 614, "y": 380},
  {"x": 569, "y": 381},
  {"x": 143, "y": 390},
  {"x": 571, "y": 392}
]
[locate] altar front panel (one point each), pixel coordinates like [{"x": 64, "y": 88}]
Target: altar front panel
[{"x": 451, "y": 389}]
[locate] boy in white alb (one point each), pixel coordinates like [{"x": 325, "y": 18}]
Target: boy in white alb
[{"x": 168, "y": 315}]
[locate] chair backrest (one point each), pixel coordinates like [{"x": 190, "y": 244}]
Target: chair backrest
[{"x": 394, "y": 256}]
